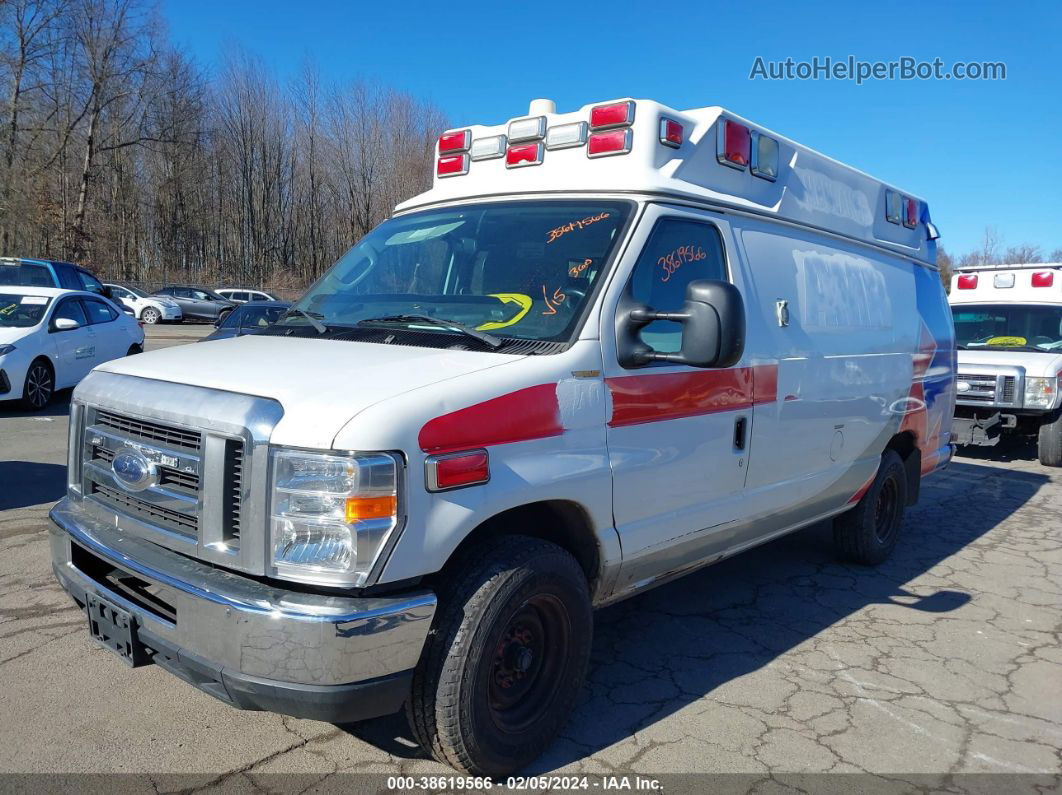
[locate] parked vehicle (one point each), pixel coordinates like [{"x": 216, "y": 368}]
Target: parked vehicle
[
  {"x": 197, "y": 303},
  {"x": 1008, "y": 329},
  {"x": 151, "y": 309},
  {"x": 247, "y": 319},
  {"x": 51, "y": 338},
  {"x": 23, "y": 272},
  {"x": 607, "y": 348},
  {"x": 242, "y": 295}
]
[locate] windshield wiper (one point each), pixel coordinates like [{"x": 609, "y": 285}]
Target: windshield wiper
[
  {"x": 452, "y": 325},
  {"x": 318, "y": 326}
]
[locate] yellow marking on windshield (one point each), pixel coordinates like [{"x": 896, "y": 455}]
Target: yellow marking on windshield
[
  {"x": 7, "y": 310},
  {"x": 524, "y": 302},
  {"x": 1007, "y": 341}
]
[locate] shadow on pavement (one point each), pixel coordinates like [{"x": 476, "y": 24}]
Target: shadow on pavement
[
  {"x": 659, "y": 652},
  {"x": 1009, "y": 448},
  {"x": 59, "y": 407},
  {"x": 26, "y": 483}
]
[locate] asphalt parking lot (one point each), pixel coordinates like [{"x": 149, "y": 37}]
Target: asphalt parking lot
[{"x": 945, "y": 660}]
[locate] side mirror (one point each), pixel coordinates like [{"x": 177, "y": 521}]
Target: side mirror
[
  {"x": 713, "y": 328},
  {"x": 65, "y": 324}
]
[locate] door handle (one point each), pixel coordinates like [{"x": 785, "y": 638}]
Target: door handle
[{"x": 740, "y": 427}]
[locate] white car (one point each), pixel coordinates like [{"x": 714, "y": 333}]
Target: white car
[
  {"x": 51, "y": 338},
  {"x": 151, "y": 309},
  {"x": 242, "y": 296}
]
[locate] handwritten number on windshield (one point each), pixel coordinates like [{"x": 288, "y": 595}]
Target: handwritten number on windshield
[{"x": 558, "y": 299}]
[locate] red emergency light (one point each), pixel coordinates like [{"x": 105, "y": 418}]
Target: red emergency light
[
  {"x": 734, "y": 144},
  {"x": 618, "y": 114},
  {"x": 457, "y": 470},
  {"x": 523, "y": 155},
  {"x": 1043, "y": 279},
  {"x": 910, "y": 213},
  {"x": 451, "y": 166},
  {"x": 967, "y": 281},
  {"x": 613, "y": 142},
  {"x": 671, "y": 133},
  {"x": 458, "y": 141}
]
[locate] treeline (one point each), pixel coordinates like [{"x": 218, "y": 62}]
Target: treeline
[
  {"x": 118, "y": 151},
  {"x": 991, "y": 251}
]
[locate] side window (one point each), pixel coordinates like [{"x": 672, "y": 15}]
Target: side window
[
  {"x": 182, "y": 292},
  {"x": 90, "y": 283},
  {"x": 99, "y": 312},
  {"x": 232, "y": 319},
  {"x": 71, "y": 309},
  {"x": 166, "y": 291},
  {"x": 68, "y": 277},
  {"x": 677, "y": 252}
]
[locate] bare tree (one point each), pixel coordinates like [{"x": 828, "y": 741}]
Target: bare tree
[{"x": 1024, "y": 254}]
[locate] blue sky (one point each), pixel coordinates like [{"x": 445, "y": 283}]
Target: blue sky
[{"x": 981, "y": 152}]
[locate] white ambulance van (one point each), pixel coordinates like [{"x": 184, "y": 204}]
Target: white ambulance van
[
  {"x": 1008, "y": 332},
  {"x": 608, "y": 347}
]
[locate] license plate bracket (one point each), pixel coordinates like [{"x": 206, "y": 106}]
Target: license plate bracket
[{"x": 115, "y": 629}]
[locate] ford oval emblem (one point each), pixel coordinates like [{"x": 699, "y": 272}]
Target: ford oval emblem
[{"x": 132, "y": 471}]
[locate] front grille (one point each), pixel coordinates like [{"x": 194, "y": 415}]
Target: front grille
[
  {"x": 233, "y": 490},
  {"x": 183, "y": 523},
  {"x": 982, "y": 388},
  {"x": 1009, "y": 383},
  {"x": 173, "y": 479},
  {"x": 149, "y": 430}
]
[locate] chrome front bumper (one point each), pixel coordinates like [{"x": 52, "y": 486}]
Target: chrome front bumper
[{"x": 252, "y": 644}]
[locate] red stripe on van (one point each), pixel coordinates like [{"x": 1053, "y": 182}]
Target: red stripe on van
[
  {"x": 637, "y": 399},
  {"x": 530, "y": 413}
]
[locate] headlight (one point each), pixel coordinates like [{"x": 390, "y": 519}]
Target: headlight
[
  {"x": 6, "y": 349},
  {"x": 331, "y": 514},
  {"x": 1039, "y": 393}
]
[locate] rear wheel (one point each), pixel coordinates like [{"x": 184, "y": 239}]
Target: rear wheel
[
  {"x": 150, "y": 315},
  {"x": 868, "y": 533},
  {"x": 40, "y": 385},
  {"x": 1049, "y": 443},
  {"x": 505, "y": 659}
]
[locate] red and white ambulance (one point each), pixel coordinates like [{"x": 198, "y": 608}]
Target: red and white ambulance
[
  {"x": 608, "y": 347},
  {"x": 1008, "y": 331}
]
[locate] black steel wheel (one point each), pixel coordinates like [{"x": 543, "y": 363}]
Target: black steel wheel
[
  {"x": 868, "y": 533},
  {"x": 506, "y": 656},
  {"x": 40, "y": 385}
]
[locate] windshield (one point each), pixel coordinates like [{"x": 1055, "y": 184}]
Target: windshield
[
  {"x": 1008, "y": 326},
  {"x": 514, "y": 269},
  {"x": 25, "y": 274},
  {"x": 136, "y": 291},
  {"x": 253, "y": 317},
  {"x": 22, "y": 311}
]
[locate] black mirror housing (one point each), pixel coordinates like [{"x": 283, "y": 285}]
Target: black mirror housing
[{"x": 713, "y": 328}]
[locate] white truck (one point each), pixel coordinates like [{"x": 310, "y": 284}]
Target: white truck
[
  {"x": 1008, "y": 331},
  {"x": 607, "y": 348}
]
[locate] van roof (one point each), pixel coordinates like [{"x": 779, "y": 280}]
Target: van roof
[
  {"x": 1027, "y": 283},
  {"x": 808, "y": 188}
]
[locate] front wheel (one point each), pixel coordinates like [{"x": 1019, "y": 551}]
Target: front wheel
[
  {"x": 506, "y": 657},
  {"x": 150, "y": 315},
  {"x": 1049, "y": 442},
  {"x": 868, "y": 533},
  {"x": 40, "y": 385}
]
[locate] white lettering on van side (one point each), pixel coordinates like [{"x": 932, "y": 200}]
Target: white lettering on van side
[
  {"x": 841, "y": 292},
  {"x": 832, "y": 197}
]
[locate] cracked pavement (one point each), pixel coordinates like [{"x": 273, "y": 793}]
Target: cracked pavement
[{"x": 944, "y": 660}]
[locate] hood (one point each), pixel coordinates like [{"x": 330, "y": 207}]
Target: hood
[
  {"x": 322, "y": 384},
  {"x": 1035, "y": 364},
  {"x": 12, "y": 334}
]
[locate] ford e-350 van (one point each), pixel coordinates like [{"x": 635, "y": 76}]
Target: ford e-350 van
[{"x": 608, "y": 347}]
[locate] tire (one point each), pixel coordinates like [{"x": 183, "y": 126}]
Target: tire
[
  {"x": 505, "y": 658},
  {"x": 40, "y": 385},
  {"x": 150, "y": 315},
  {"x": 1049, "y": 443},
  {"x": 868, "y": 533}
]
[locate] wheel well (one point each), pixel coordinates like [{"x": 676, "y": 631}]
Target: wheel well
[
  {"x": 46, "y": 360},
  {"x": 561, "y": 522},
  {"x": 905, "y": 447}
]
